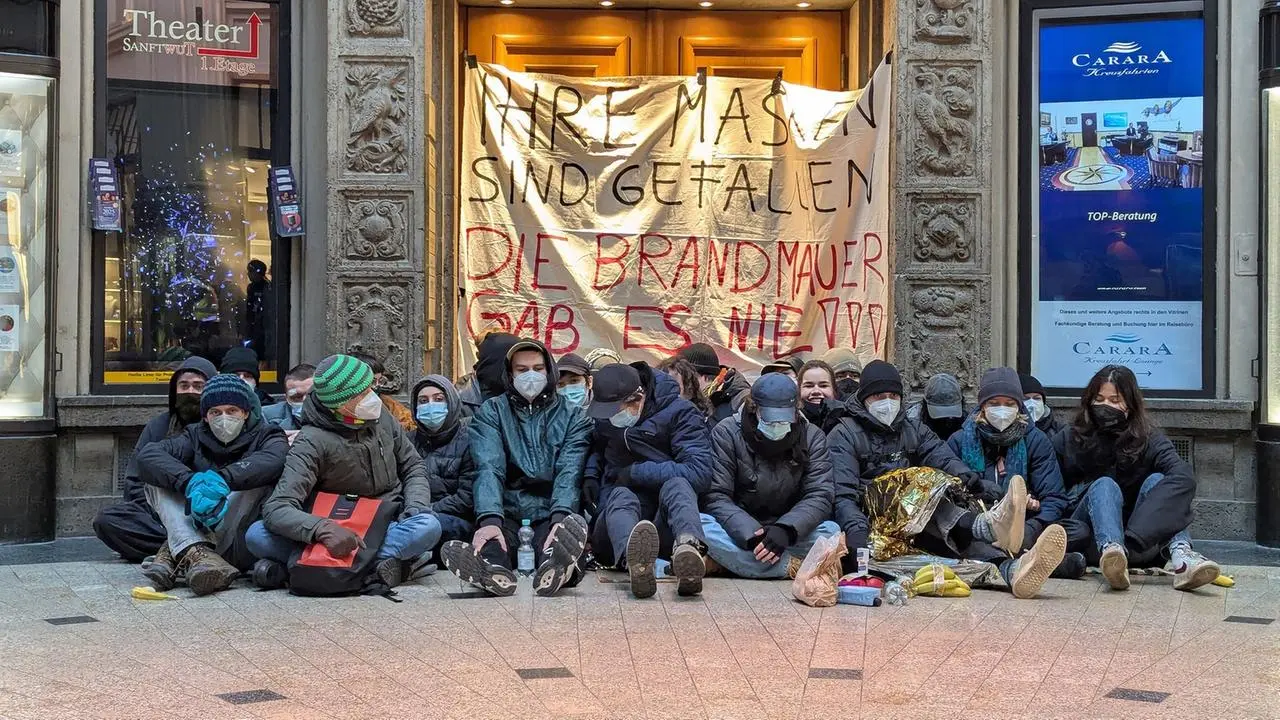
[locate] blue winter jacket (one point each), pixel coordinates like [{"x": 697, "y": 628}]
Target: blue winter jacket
[
  {"x": 529, "y": 456},
  {"x": 1044, "y": 478},
  {"x": 671, "y": 439}
]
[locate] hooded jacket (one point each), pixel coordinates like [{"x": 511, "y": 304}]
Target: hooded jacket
[
  {"x": 671, "y": 439},
  {"x": 375, "y": 459},
  {"x": 1166, "y": 509},
  {"x": 446, "y": 453},
  {"x": 749, "y": 491},
  {"x": 489, "y": 379},
  {"x": 254, "y": 459},
  {"x": 281, "y": 415},
  {"x": 529, "y": 456},
  {"x": 161, "y": 426},
  {"x": 722, "y": 400},
  {"x": 1044, "y": 479},
  {"x": 863, "y": 448}
]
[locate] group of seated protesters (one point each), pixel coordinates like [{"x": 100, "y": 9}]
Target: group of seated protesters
[{"x": 679, "y": 470}]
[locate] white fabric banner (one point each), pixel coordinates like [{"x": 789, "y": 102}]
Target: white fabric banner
[{"x": 643, "y": 214}]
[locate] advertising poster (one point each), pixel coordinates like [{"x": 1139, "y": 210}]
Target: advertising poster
[
  {"x": 9, "y": 281},
  {"x": 1120, "y": 259},
  {"x": 10, "y": 152},
  {"x": 9, "y": 338}
]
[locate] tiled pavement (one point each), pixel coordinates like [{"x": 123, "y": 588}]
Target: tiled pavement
[{"x": 743, "y": 650}]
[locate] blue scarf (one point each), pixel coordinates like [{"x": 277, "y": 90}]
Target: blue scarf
[{"x": 975, "y": 436}]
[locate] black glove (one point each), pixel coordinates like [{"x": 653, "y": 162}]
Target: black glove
[
  {"x": 979, "y": 488},
  {"x": 623, "y": 477},
  {"x": 776, "y": 539},
  {"x": 339, "y": 541}
]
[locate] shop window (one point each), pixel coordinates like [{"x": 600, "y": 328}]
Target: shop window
[{"x": 194, "y": 115}]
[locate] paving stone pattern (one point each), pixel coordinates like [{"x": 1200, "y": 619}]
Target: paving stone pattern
[{"x": 745, "y": 649}]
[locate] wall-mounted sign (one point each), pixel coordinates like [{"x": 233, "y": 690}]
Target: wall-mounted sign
[
  {"x": 1119, "y": 201},
  {"x": 211, "y": 42},
  {"x": 285, "y": 206},
  {"x": 104, "y": 195}
]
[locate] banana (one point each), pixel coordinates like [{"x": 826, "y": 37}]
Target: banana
[
  {"x": 149, "y": 593},
  {"x": 1225, "y": 581}
]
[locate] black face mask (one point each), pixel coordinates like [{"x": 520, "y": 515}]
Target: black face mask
[
  {"x": 1108, "y": 418},
  {"x": 187, "y": 407},
  {"x": 846, "y": 388},
  {"x": 814, "y": 412}
]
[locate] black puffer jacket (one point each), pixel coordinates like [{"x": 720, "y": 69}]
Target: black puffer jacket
[
  {"x": 253, "y": 459},
  {"x": 734, "y": 385},
  {"x": 1165, "y": 511},
  {"x": 749, "y": 491},
  {"x": 863, "y": 448},
  {"x": 446, "y": 453}
]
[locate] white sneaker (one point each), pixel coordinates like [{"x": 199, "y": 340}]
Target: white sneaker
[
  {"x": 1191, "y": 569},
  {"x": 1008, "y": 518},
  {"x": 1114, "y": 565},
  {"x": 1038, "y": 563}
]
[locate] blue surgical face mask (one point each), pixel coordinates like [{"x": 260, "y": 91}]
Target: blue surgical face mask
[
  {"x": 624, "y": 418},
  {"x": 773, "y": 430},
  {"x": 296, "y": 409},
  {"x": 530, "y": 384},
  {"x": 432, "y": 414},
  {"x": 575, "y": 395}
]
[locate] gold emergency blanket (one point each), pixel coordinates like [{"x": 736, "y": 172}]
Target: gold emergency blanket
[{"x": 899, "y": 504}]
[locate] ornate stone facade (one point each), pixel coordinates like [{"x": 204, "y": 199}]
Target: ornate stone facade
[
  {"x": 944, "y": 21},
  {"x": 376, "y": 18}
]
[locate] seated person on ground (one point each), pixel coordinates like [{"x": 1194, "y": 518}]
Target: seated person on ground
[
  {"x": 288, "y": 414},
  {"x": 575, "y": 380},
  {"x": 403, "y": 416},
  {"x": 878, "y": 437},
  {"x": 243, "y": 362},
  {"x": 489, "y": 372},
  {"x": 130, "y": 527},
  {"x": 346, "y": 446},
  {"x": 771, "y": 489},
  {"x": 207, "y": 483},
  {"x": 529, "y": 447},
  {"x": 651, "y": 457},
  {"x": 1049, "y": 422},
  {"x": 443, "y": 440},
  {"x": 845, "y": 364},
  {"x": 1125, "y": 479},
  {"x": 719, "y": 383},
  {"x": 999, "y": 442},
  {"x": 690, "y": 384},
  {"x": 818, "y": 395},
  {"x": 782, "y": 367},
  {"x": 942, "y": 409}
]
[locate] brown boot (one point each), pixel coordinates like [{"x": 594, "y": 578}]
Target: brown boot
[
  {"x": 162, "y": 570},
  {"x": 206, "y": 571}
]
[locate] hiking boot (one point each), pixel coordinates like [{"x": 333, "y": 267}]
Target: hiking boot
[
  {"x": 420, "y": 567},
  {"x": 391, "y": 572},
  {"x": 689, "y": 566},
  {"x": 1036, "y": 565},
  {"x": 1191, "y": 569},
  {"x": 269, "y": 574},
  {"x": 462, "y": 560},
  {"x": 642, "y": 551},
  {"x": 1072, "y": 567},
  {"x": 206, "y": 571},
  {"x": 568, "y": 540},
  {"x": 1114, "y": 565},
  {"x": 1007, "y": 520},
  {"x": 162, "y": 570}
]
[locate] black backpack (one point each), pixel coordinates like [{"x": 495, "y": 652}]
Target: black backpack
[{"x": 314, "y": 572}]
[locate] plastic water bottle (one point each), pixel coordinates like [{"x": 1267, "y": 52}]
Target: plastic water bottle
[{"x": 524, "y": 555}]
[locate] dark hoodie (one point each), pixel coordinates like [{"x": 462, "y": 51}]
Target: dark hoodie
[
  {"x": 446, "y": 452},
  {"x": 722, "y": 400},
  {"x": 528, "y": 455},
  {"x": 164, "y": 425},
  {"x": 490, "y": 372}
]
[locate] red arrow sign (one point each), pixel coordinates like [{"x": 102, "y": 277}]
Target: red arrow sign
[{"x": 252, "y": 52}]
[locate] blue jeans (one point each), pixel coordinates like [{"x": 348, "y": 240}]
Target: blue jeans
[
  {"x": 743, "y": 563},
  {"x": 406, "y": 540},
  {"x": 1102, "y": 506}
]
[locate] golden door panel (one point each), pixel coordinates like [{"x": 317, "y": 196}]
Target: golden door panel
[{"x": 576, "y": 43}]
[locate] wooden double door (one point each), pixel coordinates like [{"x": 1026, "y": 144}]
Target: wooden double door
[{"x": 808, "y": 48}]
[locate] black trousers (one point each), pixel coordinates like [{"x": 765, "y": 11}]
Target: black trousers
[
  {"x": 493, "y": 553},
  {"x": 674, "y": 510},
  {"x": 131, "y": 529}
]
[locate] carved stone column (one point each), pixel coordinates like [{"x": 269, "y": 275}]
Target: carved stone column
[
  {"x": 942, "y": 189},
  {"x": 378, "y": 59}
]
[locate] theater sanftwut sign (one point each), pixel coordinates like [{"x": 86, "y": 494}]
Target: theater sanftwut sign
[
  {"x": 219, "y": 47},
  {"x": 645, "y": 213}
]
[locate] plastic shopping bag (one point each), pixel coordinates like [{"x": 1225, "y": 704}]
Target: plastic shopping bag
[{"x": 816, "y": 583}]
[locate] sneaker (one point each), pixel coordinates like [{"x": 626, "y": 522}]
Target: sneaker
[
  {"x": 1036, "y": 565},
  {"x": 1115, "y": 566},
  {"x": 689, "y": 566},
  {"x": 206, "y": 571},
  {"x": 269, "y": 574},
  {"x": 1008, "y": 518},
  {"x": 642, "y": 550},
  {"x": 421, "y": 567},
  {"x": 568, "y": 540},
  {"x": 462, "y": 560},
  {"x": 162, "y": 569},
  {"x": 391, "y": 572},
  {"x": 1072, "y": 567},
  {"x": 1191, "y": 569}
]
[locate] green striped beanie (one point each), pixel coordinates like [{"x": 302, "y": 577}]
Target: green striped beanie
[{"x": 339, "y": 378}]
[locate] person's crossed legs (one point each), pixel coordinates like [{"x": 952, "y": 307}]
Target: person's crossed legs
[{"x": 743, "y": 563}]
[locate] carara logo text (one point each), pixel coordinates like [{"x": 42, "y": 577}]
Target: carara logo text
[
  {"x": 1121, "y": 345},
  {"x": 1121, "y": 58}
]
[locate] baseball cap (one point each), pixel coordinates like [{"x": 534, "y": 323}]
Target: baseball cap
[
  {"x": 943, "y": 397},
  {"x": 611, "y": 387},
  {"x": 775, "y": 398}
]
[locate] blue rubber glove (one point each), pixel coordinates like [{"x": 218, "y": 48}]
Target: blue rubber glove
[{"x": 207, "y": 495}]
